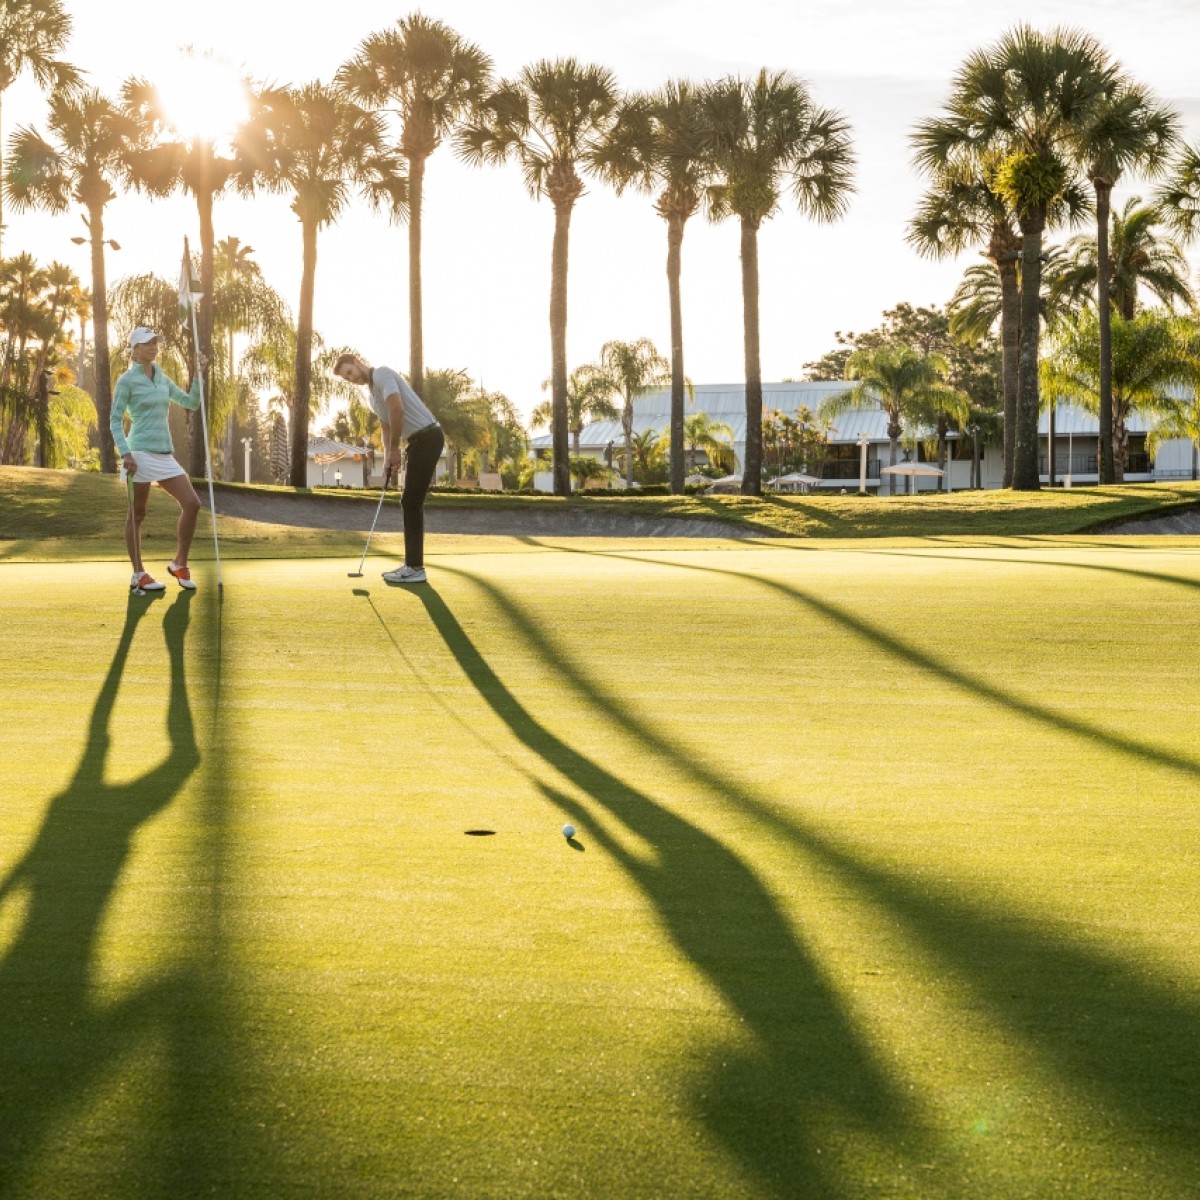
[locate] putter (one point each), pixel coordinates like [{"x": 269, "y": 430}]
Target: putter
[{"x": 387, "y": 478}]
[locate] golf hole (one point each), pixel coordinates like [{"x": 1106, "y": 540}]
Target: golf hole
[{"x": 480, "y": 833}]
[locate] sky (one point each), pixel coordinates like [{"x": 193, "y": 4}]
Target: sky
[{"x": 486, "y": 258}]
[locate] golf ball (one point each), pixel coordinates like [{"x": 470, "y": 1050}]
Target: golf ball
[{"x": 568, "y": 831}]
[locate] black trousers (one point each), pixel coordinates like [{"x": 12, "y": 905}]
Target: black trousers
[{"x": 424, "y": 450}]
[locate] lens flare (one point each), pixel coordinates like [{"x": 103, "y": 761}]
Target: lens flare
[{"x": 203, "y": 98}]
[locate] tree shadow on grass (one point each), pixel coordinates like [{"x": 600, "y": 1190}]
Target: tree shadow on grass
[
  {"x": 56, "y": 1041},
  {"x": 808, "y": 1068},
  {"x": 1108, "y": 1026}
]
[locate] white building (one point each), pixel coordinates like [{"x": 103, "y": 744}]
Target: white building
[{"x": 1076, "y": 437}]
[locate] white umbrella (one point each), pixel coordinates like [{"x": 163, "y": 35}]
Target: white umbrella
[
  {"x": 727, "y": 483},
  {"x": 912, "y": 468}
]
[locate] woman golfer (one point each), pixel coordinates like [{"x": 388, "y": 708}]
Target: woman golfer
[
  {"x": 147, "y": 455},
  {"x": 402, "y": 415}
]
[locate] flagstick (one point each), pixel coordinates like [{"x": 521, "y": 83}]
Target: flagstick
[{"x": 212, "y": 503}]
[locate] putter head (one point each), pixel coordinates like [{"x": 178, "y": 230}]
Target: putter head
[{"x": 354, "y": 574}]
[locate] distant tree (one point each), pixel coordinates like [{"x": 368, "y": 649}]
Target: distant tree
[
  {"x": 906, "y": 384},
  {"x": 91, "y": 137},
  {"x": 585, "y": 469},
  {"x": 460, "y": 409},
  {"x": 1126, "y": 129},
  {"x": 433, "y": 78},
  {"x": 1150, "y": 355},
  {"x": 701, "y": 434},
  {"x": 315, "y": 144},
  {"x": 32, "y": 33},
  {"x": 551, "y": 119},
  {"x": 1013, "y": 118},
  {"x": 659, "y": 144},
  {"x": 1140, "y": 255},
  {"x": 1179, "y": 195},
  {"x": 765, "y": 136},
  {"x": 589, "y": 398},
  {"x": 632, "y": 369}
]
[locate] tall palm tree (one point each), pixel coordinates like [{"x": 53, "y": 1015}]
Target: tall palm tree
[
  {"x": 659, "y": 144},
  {"x": 714, "y": 438},
  {"x": 765, "y": 136},
  {"x": 904, "y": 383},
  {"x": 1140, "y": 256},
  {"x": 91, "y": 138},
  {"x": 166, "y": 160},
  {"x": 551, "y": 119},
  {"x": 589, "y": 398},
  {"x": 314, "y": 143},
  {"x": 433, "y": 78},
  {"x": 955, "y": 215},
  {"x": 632, "y": 369},
  {"x": 1150, "y": 355},
  {"x": 1128, "y": 130},
  {"x": 1013, "y": 119},
  {"x": 1179, "y": 195},
  {"x": 32, "y": 33}
]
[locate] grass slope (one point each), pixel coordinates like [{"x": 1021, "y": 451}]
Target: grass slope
[
  {"x": 70, "y": 514},
  {"x": 884, "y": 882}
]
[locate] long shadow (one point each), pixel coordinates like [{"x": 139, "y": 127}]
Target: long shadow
[
  {"x": 910, "y": 655},
  {"x": 56, "y": 1041},
  {"x": 1106, "y": 1024},
  {"x": 808, "y": 1068}
]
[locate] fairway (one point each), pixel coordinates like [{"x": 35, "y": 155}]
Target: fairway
[{"x": 884, "y": 882}]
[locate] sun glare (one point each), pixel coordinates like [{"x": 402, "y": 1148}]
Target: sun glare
[{"x": 204, "y": 98}]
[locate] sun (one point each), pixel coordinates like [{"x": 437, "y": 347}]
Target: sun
[{"x": 203, "y": 98}]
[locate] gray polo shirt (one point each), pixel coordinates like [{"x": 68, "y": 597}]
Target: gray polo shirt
[{"x": 384, "y": 383}]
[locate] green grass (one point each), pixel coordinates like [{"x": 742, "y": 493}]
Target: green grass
[
  {"x": 71, "y": 514},
  {"x": 884, "y": 882}
]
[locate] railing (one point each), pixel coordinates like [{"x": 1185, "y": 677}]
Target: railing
[{"x": 1136, "y": 463}]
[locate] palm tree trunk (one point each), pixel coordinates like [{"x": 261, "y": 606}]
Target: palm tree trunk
[
  {"x": 558, "y": 348},
  {"x": 1104, "y": 317},
  {"x": 1119, "y": 443},
  {"x": 893, "y": 445},
  {"x": 108, "y": 449},
  {"x": 1010, "y": 341},
  {"x": 674, "y": 271},
  {"x": 304, "y": 330},
  {"x": 2, "y": 176},
  {"x": 1050, "y": 443},
  {"x": 204, "y": 324},
  {"x": 1025, "y": 477},
  {"x": 416, "y": 340},
  {"x": 627, "y": 426},
  {"x": 752, "y": 462}
]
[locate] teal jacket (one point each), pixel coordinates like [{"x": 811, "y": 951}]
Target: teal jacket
[{"x": 147, "y": 402}]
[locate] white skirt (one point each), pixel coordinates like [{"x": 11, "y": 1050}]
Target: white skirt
[{"x": 152, "y": 467}]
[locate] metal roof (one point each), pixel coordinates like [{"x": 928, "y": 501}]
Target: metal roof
[{"x": 726, "y": 403}]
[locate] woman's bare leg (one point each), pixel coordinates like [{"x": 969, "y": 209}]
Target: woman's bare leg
[
  {"x": 134, "y": 516},
  {"x": 180, "y": 489}
]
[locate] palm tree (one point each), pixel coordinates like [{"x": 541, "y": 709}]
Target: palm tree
[
  {"x": 314, "y": 143},
  {"x": 460, "y": 409},
  {"x": 714, "y": 438},
  {"x": 1150, "y": 355},
  {"x": 904, "y": 383},
  {"x": 1014, "y": 117},
  {"x": 1179, "y": 196},
  {"x": 434, "y": 78},
  {"x": 632, "y": 369},
  {"x": 32, "y": 32},
  {"x": 1140, "y": 256},
  {"x": 647, "y": 451},
  {"x": 167, "y": 160},
  {"x": 589, "y": 398},
  {"x": 91, "y": 138},
  {"x": 660, "y": 143},
  {"x": 552, "y": 119},
  {"x": 954, "y": 215},
  {"x": 764, "y": 136},
  {"x": 1128, "y": 130}
]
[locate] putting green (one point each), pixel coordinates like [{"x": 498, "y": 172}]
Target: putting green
[{"x": 884, "y": 882}]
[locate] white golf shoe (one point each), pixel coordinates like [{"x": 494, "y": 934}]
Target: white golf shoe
[
  {"x": 405, "y": 574},
  {"x": 143, "y": 581}
]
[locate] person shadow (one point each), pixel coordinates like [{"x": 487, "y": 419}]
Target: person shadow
[
  {"x": 56, "y": 1039},
  {"x": 769, "y": 1098}
]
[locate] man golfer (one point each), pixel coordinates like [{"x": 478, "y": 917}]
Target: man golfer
[{"x": 402, "y": 415}]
